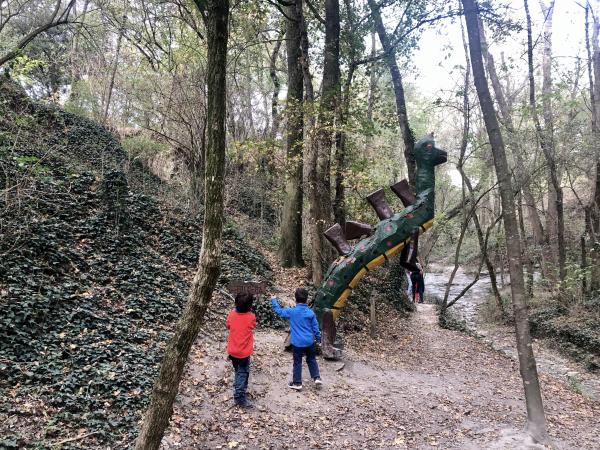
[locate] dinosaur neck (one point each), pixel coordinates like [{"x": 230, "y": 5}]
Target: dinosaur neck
[{"x": 426, "y": 185}]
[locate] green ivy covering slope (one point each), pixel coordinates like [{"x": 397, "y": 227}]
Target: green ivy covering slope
[{"x": 93, "y": 277}]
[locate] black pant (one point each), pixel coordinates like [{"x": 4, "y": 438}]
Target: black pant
[{"x": 240, "y": 382}]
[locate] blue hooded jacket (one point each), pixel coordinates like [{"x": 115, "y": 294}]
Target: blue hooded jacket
[{"x": 304, "y": 327}]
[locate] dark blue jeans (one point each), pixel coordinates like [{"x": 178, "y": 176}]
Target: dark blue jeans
[
  {"x": 311, "y": 362},
  {"x": 240, "y": 381}
]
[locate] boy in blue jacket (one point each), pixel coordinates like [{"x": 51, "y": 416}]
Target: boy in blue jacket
[{"x": 304, "y": 329}]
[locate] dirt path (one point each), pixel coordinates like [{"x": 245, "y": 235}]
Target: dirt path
[
  {"x": 502, "y": 337},
  {"x": 415, "y": 386}
]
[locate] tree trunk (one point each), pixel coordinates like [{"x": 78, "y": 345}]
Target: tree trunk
[
  {"x": 75, "y": 67},
  {"x": 594, "y": 209},
  {"x": 290, "y": 248},
  {"x": 113, "y": 71},
  {"x": 311, "y": 157},
  {"x": 546, "y": 136},
  {"x": 166, "y": 386},
  {"x": 390, "y": 58},
  {"x": 526, "y": 253},
  {"x": 339, "y": 203},
  {"x": 481, "y": 239},
  {"x": 536, "y": 422},
  {"x": 276, "y": 86},
  {"x": 513, "y": 143},
  {"x": 320, "y": 179},
  {"x": 372, "y": 82}
]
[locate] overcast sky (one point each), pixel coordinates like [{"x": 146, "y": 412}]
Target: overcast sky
[{"x": 435, "y": 72}]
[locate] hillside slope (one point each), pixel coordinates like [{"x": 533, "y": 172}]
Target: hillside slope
[{"x": 93, "y": 276}]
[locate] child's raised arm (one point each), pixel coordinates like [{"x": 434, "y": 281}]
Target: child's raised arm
[{"x": 281, "y": 312}]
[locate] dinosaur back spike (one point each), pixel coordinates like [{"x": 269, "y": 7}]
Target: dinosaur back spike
[
  {"x": 335, "y": 235},
  {"x": 404, "y": 193},
  {"x": 380, "y": 205},
  {"x": 354, "y": 230}
]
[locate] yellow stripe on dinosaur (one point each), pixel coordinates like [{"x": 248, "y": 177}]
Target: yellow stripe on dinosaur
[
  {"x": 371, "y": 265},
  {"x": 340, "y": 302},
  {"x": 357, "y": 278},
  {"x": 427, "y": 225},
  {"x": 395, "y": 250},
  {"x": 376, "y": 262}
]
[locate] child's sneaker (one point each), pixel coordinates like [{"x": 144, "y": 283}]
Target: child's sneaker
[
  {"x": 297, "y": 387},
  {"x": 318, "y": 383},
  {"x": 245, "y": 404}
]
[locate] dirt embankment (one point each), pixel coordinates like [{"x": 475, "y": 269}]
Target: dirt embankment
[{"x": 94, "y": 271}]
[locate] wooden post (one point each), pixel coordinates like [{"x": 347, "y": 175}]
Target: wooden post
[
  {"x": 373, "y": 317},
  {"x": 583, "y": 268}
]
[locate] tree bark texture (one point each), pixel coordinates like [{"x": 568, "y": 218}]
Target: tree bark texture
[
  {"x": 276, "y": 86},
  {"x": 320, "y": 179},
  {"x": 113, "y": 71},
  {"x": 594, "y": 209},
  {"x": 339, "y": 202},
  {"x": 166, "y": 386},
  {"x": 506, "y": 118},
  {"x": 390, "y": 59},
  {"x": 555, "y": 223},
  {"x": 290, "y": 248},
  {"x": 536, "y": 422},
  {"x": 527, "y": 257}
]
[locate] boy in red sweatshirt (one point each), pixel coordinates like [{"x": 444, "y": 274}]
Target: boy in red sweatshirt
[{"x": 240, "y": 345}]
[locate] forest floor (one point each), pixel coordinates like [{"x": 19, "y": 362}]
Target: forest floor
[{"x": 414, "y": 386}]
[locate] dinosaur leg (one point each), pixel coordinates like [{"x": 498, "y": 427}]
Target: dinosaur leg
[
  {"x": 328, "y": 337},
  {"x": 414, "y": 249},
  {"x": 408, "y": 257}
]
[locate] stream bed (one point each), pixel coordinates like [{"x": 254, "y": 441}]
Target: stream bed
[{"x": 468, "y": 309}]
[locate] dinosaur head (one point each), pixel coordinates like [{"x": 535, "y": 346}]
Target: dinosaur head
[{"x": 426, "y": 153}]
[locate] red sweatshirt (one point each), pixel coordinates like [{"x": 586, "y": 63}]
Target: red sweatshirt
[{"x": 240, "y": 342}]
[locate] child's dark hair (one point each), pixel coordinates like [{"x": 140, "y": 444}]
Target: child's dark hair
[
  {"x": 301, "y": 295},
  {"x": 243, "y": 302}
]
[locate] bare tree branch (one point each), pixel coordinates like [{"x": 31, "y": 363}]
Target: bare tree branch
[
  {"x": 55, "y": 20},
  {"x": 315, "y": 11}
]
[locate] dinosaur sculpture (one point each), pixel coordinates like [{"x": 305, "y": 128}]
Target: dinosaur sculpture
[{"x": 390, "y": 237}]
